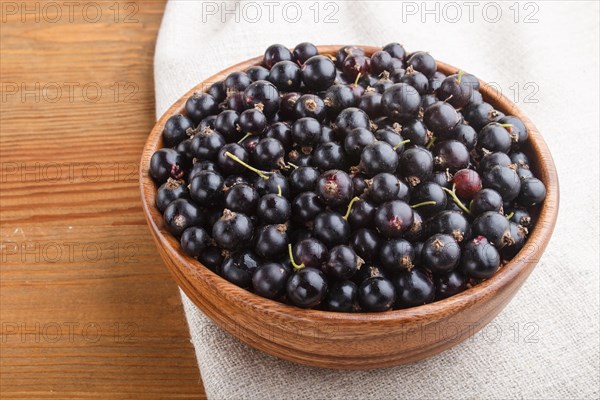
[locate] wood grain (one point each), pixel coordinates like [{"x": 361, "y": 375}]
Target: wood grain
[
  {"x": 87, "y": 309},
  {"x": 362, "y": 340}
]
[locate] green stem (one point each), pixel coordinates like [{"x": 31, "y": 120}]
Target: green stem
[
  {"x": 509, "y": 216},
  {"x": 279, "y": 190},
  {"x": 459, "y": 203},
  {"x": 431, "y": 142},
  {"x": 260, "y": 173},
  {"x": 460, "y": 75},
  {"x": 296, "y": 266},
  {"x": 354, "y": 200},
  {"x": 247, "y": 135},
  {"x": 425, "y": 203},
  {"x": 357, "y": 79},
  {"x": 293, "y": 165},
  {"x": 401, "y": 143}
]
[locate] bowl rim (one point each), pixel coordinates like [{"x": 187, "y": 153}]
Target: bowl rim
[{"x": 522, "y": 263}]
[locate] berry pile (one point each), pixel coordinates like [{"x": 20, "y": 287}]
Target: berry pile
[{"x": 347, "y": 183}]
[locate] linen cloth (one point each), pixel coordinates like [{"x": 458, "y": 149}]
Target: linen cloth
[{"x": 545, "y": 343}]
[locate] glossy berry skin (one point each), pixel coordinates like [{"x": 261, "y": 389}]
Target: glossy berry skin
[
  {"x": 180, "y": 214},
  {"x": 456, "y": 91},
  {"x": 450, "y": 155},
  {"x": 276, "y": 53},
  {"x": 532, "y": 192},
  {"x": 233, "y": 231},
  {"x": 252, "y": 121},
  {"x": 521, "y": 217},
  {"x": 306, "y": 206},
  {"x": 211, "y": 258},
  {"x": 366, "y": 243},
  {"x": 518, "y": 235},
  {"x": 417, "y": 80},
  {"x": 310, "y": 105},
  {"x": 415, "y": 131},
  {"x": 303, "y": 51},
  {"x": 306, "y": 131},
  {"x": 378, "y": 157},
  {"x": 517, "y": 130},
  {"x": 268, "y": 154},
  {"x": 282, "y": 132},
  {"x": 422, "y": 62},
  {"x": 342, "y": 263},
  {"x": 194, "y": 240},
  {"x": 311, "y": 253},
  {"x": 426, "y": 192},
  {"x": 227, "y": 123},
  {"x": 481, "y": 115},
  {"x": 393, "y": 218},
  {"x": 465, "y": 134},
  {"x": 413, "y": 288},
  {"x": 416, "y": 165},
  {"x": 504, "y": 180},
  {"x": 491, "y": 160},
  {"x": 381, "y": 61},
  {"x": 441, "y": 118},
  {"x": 206, "y": 145},
  {"x": 452, "y": 223},
  {"x": 356, "y": 64},
  {"x": 492, "y": 225},
  {"x": 440, "y": 253},
  {"x": 337, "y": 98},
  {"x": 242, "y": 198},
  {"x": 341, "y": 296},
  {"x": 200, "y": 106},
  {"x": 442, "y": 178},
  {"x": 271, "y": 241},
  {"x": 239, "y": 268},
  {"x": 486, "y": 200},
  {"x": 417, "y": 231},
  {"x": 177, "y": 129},
  {"x": 307, "y": 288},
  {"x": 392, "y": 138},
  {"x": 318, "y": 73},
  {"x": 356, "y": 140},
  {"x": 449, "y": 284},
  {"x": 384, "y": 187},
  {"x": 362, "y": 214},
  {"x": 227, "y": 164},
  {"x": 376, "y": 294},
  {"x": 169, "y": 191},
  {"x": 303, "y": 179},
  {"x": 494, "y": 137},
  {"x": 349, "y": 119},
  {"x": 396, "y": 255},
  {"x": 257, "y": 73},
  {"x": 217, "y": 91},
  {"x": 347, "y": 51},
  {"x": 468, "y": 183},
  {"x": 331, "y": 228},
  {"x": 286, "y": 76},
  {"x": 273, "y": 209},
  {"x": 264, "y": 95},
  {"x": 480, "y": 260},
  {"x": 329, "y": 156},
  {"x": 206, "y": 189},
  {"x": 269, "y": 280},
  {"x": 370, "y": 102},
  {"x": 401, "y": 101},
  {"x": 165, "y": 164},
  {"x": 236, "y": 82},
  {"x": 396, "y": 50},
  {"x": 335, "y": 188}
]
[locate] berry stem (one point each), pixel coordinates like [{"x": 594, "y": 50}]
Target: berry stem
[
  {"x": 431, "y": 142},
  {"x": 354, "y": 200},
  {"x": 246, "y": 136},
  {"x": 401, "y": 143},
  {"x": 460, "y": 75},
  {"x": 296, "y": 266},
  {"x": 279, "y": 190},
  {"x": 459, "y": 203},
  {"x": 293, "y": 165},
  {"x": 260, "y": 173},
  {"x": 509, "y": 216},
  {"x": 357, "y": 79},
  {"x": 425, "y": 203}
]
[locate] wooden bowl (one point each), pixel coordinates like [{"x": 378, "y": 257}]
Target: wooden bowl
[{"x": 357, "y": 340}]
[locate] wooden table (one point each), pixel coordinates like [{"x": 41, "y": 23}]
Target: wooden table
[{"x": 87, "y": 308}]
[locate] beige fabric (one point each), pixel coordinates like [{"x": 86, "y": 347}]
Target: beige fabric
[{"x": 545, "y": 343}]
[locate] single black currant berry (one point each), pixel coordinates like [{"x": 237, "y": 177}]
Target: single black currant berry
[
  {"x": 165, "y": 164},
  {"x": 349, "y": 119},
  {"x": 286, "y": 76},
  {"x": 465, "y": 134},
  {"x": 378, "y": 157},
  {"x": 257, "y": 73},
  {"x": 335, "y": 188},
  {"x": 533, "y": 192},
  {"x": 329, "y": 156},
  {"x": 494, "y": 159},
  {"x": 310, "y": 253},
  {"x": 275, "y": 183},
  {"x": 306, "y": 206},
  {"x": 269, "y": 280},
  {"x": 397, "y": 255},
  {"x": 337, "y": 98},
  {"x": 366, "y": 243},
  {"x": 341, "y": 296},
  {"x": 392, "y": 138},
  {"x": 480, "y": 260},
  {"x": 450, "y": 155},
  {"x": 370, "y": 102},
  {"x": 415, "y": 131},
  {"x": 422, "y": 62},
  {"x": 416, "y": 165},
  {"x": 486, "y": 200},
  {"x": 494, "y": 137},
  {"x": 177, "y": 129},
  {"x": 401, "y": 101},
  {"x": 331, "y": 228},
  {"x": 231, "y": 165},
  {"x": 236, "y": 82},
  {"x": 521, "y": 216},
  {"x": 504, "y": 180},
  {"x": 206, "y": 145},
  {"x": 303, "y": 179},
  {"x": 481, "y": 115},
  {"x": 180, "y": 214},
  {"x": 518, "y": 235},
  {"x": 318, "y": 73},
  {"x": 342, "y": 263},
  {"x": 201, "y": 105},
  {"x": 307, "y": 288},
  {"x": 517, "y": 129},
  {"x": 206, "y": 188},
  {"x": 271, "y": 241},
  {"x": 252, "y": 121},
  {"x": 494, "y": 226},
  {"x": 211, "y": 258},
  {"x": 417, "y": 80},
  {"x": 452, "y": 223},
  {"x": 217, "y": 91},
  {"x": 264, "y": 96},
  {"x": 467, "y": 183},
  {"x": 227, "y": 124},
  {"x": 276, "y": 53},
  {"x": 303, "y": 51},
  {"x": 239, "y": 268},
  {"x": 396, "y": 50},
  {"x": 310, "y": 105},
  {"x": 268, "y": 154},
  {"x": 169, "y": 191},
  {"x": 242, "y": 198},
  {"x": 455, "y": 90},
  {"x": 376, "y": 294},
  {"x": 273, "y": 209},
  {"x": 413, "y": 288},
  {"x": 429, "y": 198},
  {"x": 282, "y": 132},
  {"x": 440, "y": 253},
  {"x": 233, "y": 230},
  {"x": 347, "y": 51},
  {"x": 194, "y": 240},
  {"x": 361, "y": 214},
  {"x": 393, "y": 218},
  {"x": 441, "y": 118},
  {"x": 381, "y": 61},
  {"x": 449, "y": 284},
  {"x": 306, "y": 131}
]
